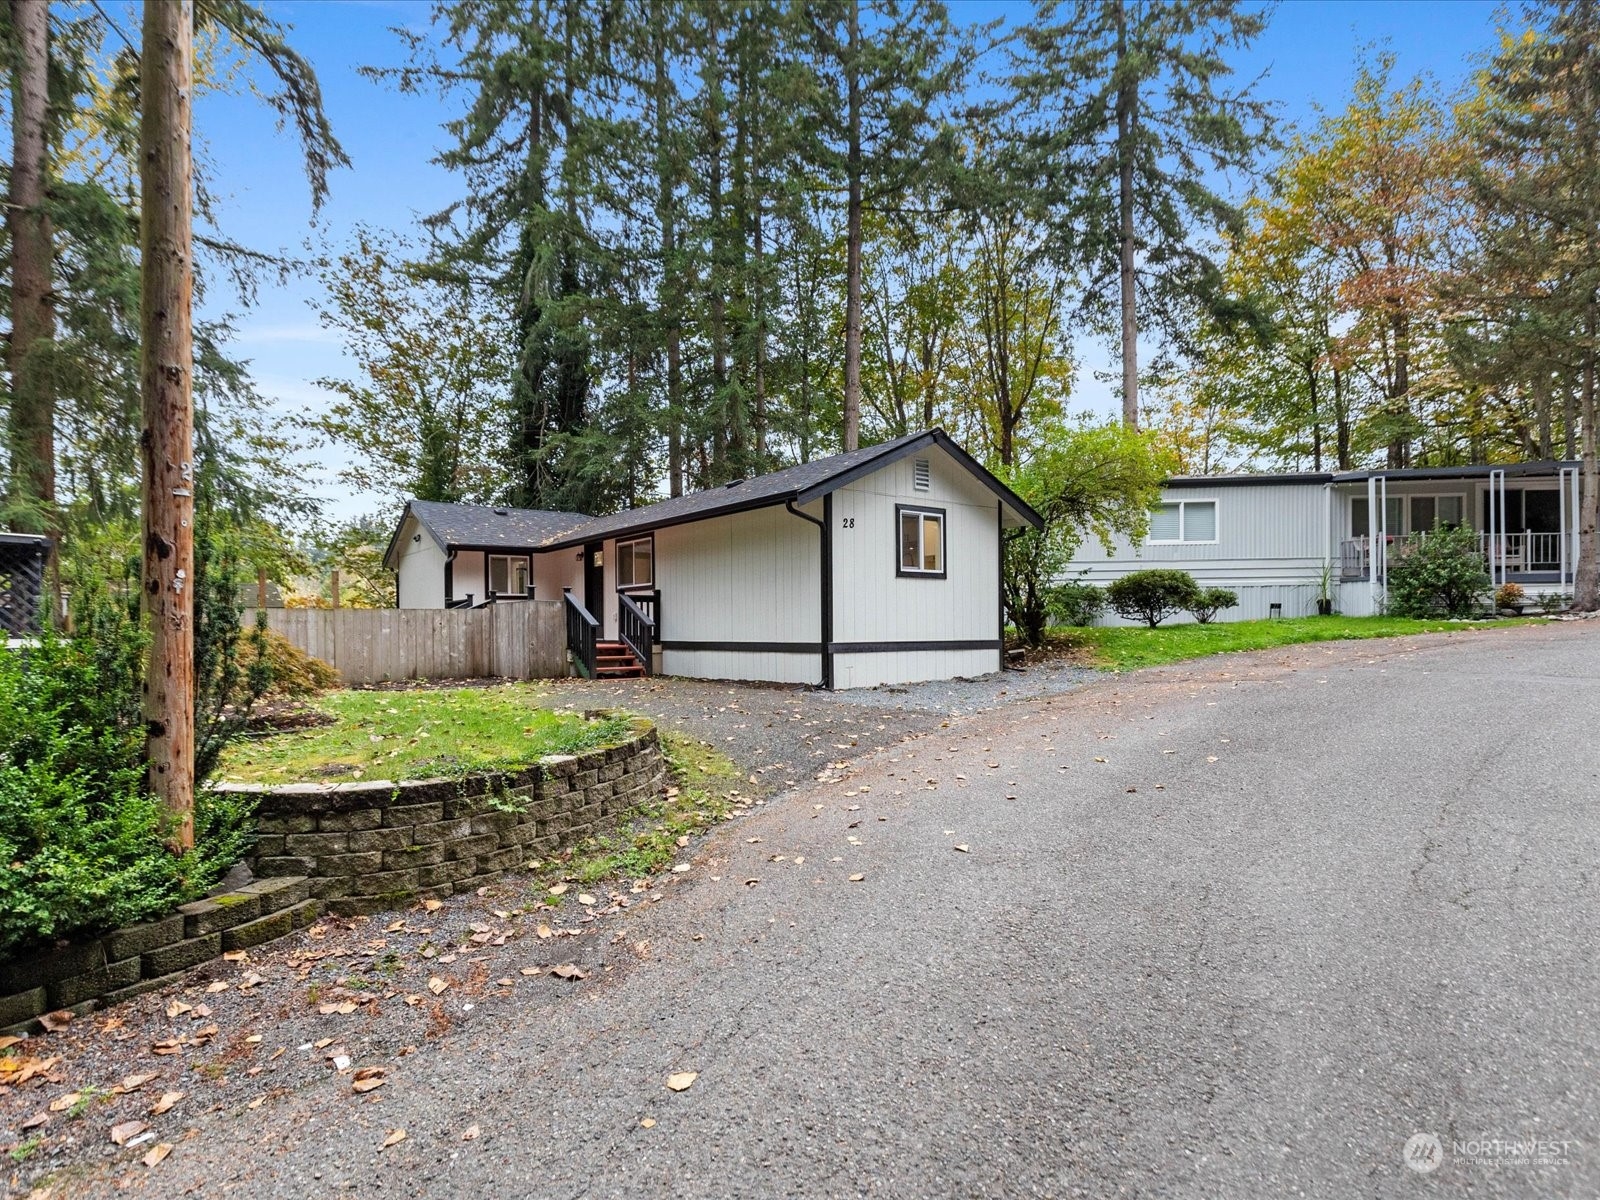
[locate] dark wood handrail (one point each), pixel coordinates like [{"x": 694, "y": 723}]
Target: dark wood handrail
[
  {"x": 582, "y": 633},
  {"x": 637, "y": 631}
]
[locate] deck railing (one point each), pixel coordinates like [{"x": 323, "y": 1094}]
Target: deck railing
[
  {"x": 637, "y": 631},
  {"x": 583, "y": 631},
  {"x": 1516, "y": 553}
]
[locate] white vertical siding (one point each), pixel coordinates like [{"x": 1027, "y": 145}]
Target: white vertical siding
[
  {"x": 467, "y": 576},
  {"x": 557, "y": 569},
  {"x": 872, "y": 603},
  {"x": 748, "y": 577},
  {"x": 421, "y": 571}
]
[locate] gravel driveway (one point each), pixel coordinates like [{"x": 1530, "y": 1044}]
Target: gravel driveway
[{"x": 1241, "y": 928}]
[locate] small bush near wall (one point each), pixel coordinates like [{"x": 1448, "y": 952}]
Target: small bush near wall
[
  {"x": 1152, "y": 596},
  {"x": 1075, "y": 603},
  {"x": 1440, "y": 574},
  {"x": 81, "y": 841},
  {"x": 1208, "y": 602}
]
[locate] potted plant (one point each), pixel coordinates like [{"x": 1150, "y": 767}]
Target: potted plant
[
  {"x": 1509, "y": 597},
  {"x": 1325, "y": 590}
]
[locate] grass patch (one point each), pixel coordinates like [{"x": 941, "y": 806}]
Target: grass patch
[
  {"x": 1126, "y": 648},
  {"x": 707, "y": 788},
  {"x": 418, "y": 735}
]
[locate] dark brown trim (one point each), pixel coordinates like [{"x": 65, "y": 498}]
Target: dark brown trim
[
  {"x": 944, "y": 541},
  {"x": 616, "y": 551},
  {"x": 892, "y": 647},
  {"x": 747, "y": 647},
  {"x": 1000, "y": 591},
  {"x": 827, "y": 592}
]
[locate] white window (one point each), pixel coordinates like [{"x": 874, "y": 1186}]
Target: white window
[
  {"x": 636, "y": 563},
  {"x": 508, "y": 576},
  {"x": 921, "y": 541},
  {"x": 1183, "y": 521},
  {"x": 1428, "y": 511}
]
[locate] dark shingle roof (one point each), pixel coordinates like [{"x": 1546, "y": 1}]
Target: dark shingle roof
[
  {"x": 473, "y": 527},
  {"x": 801, "y": 484},
  {"x": 479, "y": 527}
]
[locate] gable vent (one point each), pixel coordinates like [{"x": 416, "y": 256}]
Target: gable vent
[{"x": 919, "y": 474}]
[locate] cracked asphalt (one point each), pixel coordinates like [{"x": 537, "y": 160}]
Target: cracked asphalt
[{"x": 1238, "y": 928}]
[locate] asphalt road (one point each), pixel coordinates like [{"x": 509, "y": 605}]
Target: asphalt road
[{"x": 1238, "y": 929}]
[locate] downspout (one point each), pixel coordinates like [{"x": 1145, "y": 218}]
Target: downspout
[
  {"x": 1330, "y": 538},
  {"x": 449, "y": 576},
  {"x": 825, "y": 528}
]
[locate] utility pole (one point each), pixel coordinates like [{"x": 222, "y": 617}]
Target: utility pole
[{"x": 166, "y": 387}]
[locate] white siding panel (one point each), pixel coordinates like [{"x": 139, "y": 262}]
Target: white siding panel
[
  {"x": 555, "y": 570},
  {"x": 727, "y": 664},
  {"x": 1281, "y": 525},
  {"x": 1255, "y": 604},
  {"x": 910, "y": 666},
  {"x": 467, "y": 576},
  {"x": 421, "y": 573},
  {"x": 872, "y": 603}
]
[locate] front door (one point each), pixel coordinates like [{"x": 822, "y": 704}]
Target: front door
[{"x": 594, "y": 581}]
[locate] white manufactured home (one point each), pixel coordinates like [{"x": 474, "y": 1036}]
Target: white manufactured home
[
  {"x": 1282, "y": 542},
  {"x": 875, "y": 566}
]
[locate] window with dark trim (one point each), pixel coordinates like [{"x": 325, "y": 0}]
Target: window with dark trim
[
  {"x": 921, "y": 541},
  {"x": 636, "y": 562},
  {"x": 509, "y": 575}
]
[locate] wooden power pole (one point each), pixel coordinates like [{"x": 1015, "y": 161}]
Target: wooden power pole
[{"x": 166, "y": 387}]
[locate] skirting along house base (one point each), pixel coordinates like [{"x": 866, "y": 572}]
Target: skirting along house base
[{"x": 876, "y": 566}]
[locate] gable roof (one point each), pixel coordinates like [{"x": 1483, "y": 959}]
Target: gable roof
[
  {"x": 798, "y": 484},
  {"x": 482, "y": 527}
]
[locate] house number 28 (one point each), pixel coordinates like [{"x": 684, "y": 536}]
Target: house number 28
[{"x": 849, "y": 522}]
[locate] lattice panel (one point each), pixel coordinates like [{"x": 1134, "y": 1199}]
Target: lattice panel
[{"x": 21, "y": 589}]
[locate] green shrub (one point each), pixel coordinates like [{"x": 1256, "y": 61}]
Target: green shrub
[
  {"x": 1208, "y": 602},
  {"x": 294, "y": 673},
  {"x": 1440, "y": 574},
  {"x": 82, "y": 843},
  {"x": 1152, "y": 596},
  {"x": 1075, "y": 603}
]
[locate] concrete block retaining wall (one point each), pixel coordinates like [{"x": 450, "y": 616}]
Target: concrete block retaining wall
[{"x": 350, "y": 849}]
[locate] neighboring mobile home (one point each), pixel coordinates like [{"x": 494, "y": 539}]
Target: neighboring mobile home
[
  {"x": 1283, "y": 541},
  {"x": 876, "y": 566}
]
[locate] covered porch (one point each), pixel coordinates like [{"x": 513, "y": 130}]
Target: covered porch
[{"x": 1525, "y": 517}]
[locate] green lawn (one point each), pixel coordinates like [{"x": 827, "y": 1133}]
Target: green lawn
[
  {"x": 1125, "y": 648},
  {"x": 418, "y": 735}
]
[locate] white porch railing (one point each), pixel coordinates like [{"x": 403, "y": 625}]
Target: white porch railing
[{"x": 1515, "y": 553}]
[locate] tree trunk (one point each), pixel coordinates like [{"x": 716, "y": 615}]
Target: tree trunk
[
  {"x": 670, "y": 294},
  {"x": 166, "y": 379},
  {"x": 719, "y": 267},
  {"x": 853, "y": 168},
  {"x": 1586, "y": 582},
  {"x": 1316, "y": 419},
  {"x": 1127, "y": 116},
  {"x": 33, "y": 450}
]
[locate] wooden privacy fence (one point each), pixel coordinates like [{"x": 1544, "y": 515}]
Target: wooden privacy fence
[{"x": 525, "y": 639}]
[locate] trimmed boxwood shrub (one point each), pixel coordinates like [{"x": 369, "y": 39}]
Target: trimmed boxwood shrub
[
  {"x": 1152, "y": 596},
  {"x": 1210, "y": 601}
]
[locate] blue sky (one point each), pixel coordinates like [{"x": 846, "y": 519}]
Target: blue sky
[{"x": 1307, "y": 56}]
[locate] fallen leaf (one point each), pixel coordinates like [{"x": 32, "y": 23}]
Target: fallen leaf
[
  {"x": 158, "y": 1153},
  {"x": 532, "y": 971},
  {"x": 235, "y": 956},
  {"x": 569, "y": 971},
  {"x": 648, "y": 1122},
  {"x": 53, "y": 1021},
  {"x": 177, "y": 1008},
  {"x": 123, "y": 1131},
  {"x": 35, "y": 1121},
  {"x": 585, "y": 898},
  {"x": 396, "y": 1136},
  {"x": 545, "y": 931},
  {"x": 395, "y": 926},
  {"x": 682, "y": 1081},
  {"x": 963, "y": 848},
  {"x": 432, "y": 905},
  {"x": 437, "y": 985},
  {"x": 680, "y": 868},
  {"x": 558, "y": 889},
  {"x": 8, "y": 1041},
  {"x": 683, "y": 840},
  {"x": 168, "y": 1099},
  {"x": 218, "y": 986},
  {"x": 367, "y": 1085},
  {"x": 343, "y": 1008},
  {"x": 857, "y": 878},
  {"x": 470, "y": 1133},
  {"x": 134, "y": 1082},
  {"x": 1100, "y": 760},
  {"x": 62, "y": 1103}
]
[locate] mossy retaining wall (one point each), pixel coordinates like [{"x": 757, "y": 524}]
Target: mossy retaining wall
[{"x": 351, "y": 849}]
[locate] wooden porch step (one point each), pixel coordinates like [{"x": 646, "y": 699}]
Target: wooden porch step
[{"x": 613, "y": 660}]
